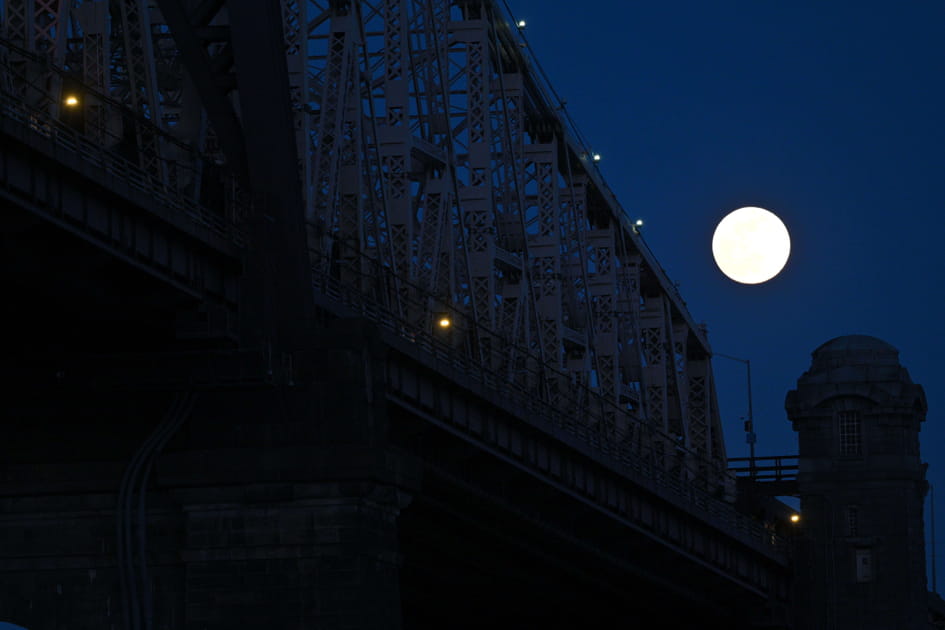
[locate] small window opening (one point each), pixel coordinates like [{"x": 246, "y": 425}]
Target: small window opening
[
  {"x": 864, "y": 565},
  {"x": 853, "y": 521},
  {"x": 850, "y": 442}
]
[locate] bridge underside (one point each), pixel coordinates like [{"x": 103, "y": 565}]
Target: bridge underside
[
  {"x": 93, "y": 263},
  {"x": 314, "y": 504},
  {"x": 47, "y": 274},
  {"x": 293, "y": 536},
  {"x": 484, "y": 563}
]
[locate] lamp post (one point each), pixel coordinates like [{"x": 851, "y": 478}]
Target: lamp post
[
  {"x": 750, "y": 436},
  {"x": 932, "y": 515}
]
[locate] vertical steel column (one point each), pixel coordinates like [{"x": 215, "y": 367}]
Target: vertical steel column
[
  {"x": 394, "y": 146},
  {"x": 37, "y": 26},
  {"x": 655, "y": 355},
  {"x": 435, "y": 260},
  {"x": 352, "y": 190},
  {"x": 326, "y": 244},
  {"x": 631, "y": 394},
  {"x": 602, "y": 289},
  {"x": 49, "y": 21},
  {"x": 543, "y": 207},
  {"x": 629, "y": 332},
  {"x": 577, "y": 311},
  {"x": 714, "y": 423},
  {"x": 678, "y": 394},
  {"x": 18, "y": 23},
  {"x": 142, "y": 83},
  {"x": 512, "y": 316},
  {"x": 515, "y": 288},
  {"x": 375, "y": 209},
  {"x": 680, "y": 334},
  {"x": 699, "y": 414},
  {"x": 15, "y": 17},
  {"x": 476, "y": 193},
  {"x": 439, "y": 263},
  {"x": 295, "y": 27},
  {"x": 93, "y": 20}
]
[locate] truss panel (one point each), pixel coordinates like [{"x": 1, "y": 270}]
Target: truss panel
[{"x": 491, "y": 214}]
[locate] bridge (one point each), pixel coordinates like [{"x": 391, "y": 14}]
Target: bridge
[{"x": 323, "y": 316}]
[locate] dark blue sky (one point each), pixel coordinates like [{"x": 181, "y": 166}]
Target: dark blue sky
[{"x": 828, "y": 114}]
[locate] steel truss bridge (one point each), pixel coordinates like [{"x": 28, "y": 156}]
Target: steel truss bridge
[{"x": 268, "y": 168}]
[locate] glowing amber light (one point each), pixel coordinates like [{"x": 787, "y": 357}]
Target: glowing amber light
[
  {"x": 444, "y": 322},
  {"x": 795, "y": 518},
  {"x": 72, "y": 100}
]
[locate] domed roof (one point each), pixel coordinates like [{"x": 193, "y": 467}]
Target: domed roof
[
  {"x": 851, "y": 350},
  {"x": 846, "y": 343},
  {"x": 854, "y": 370}
]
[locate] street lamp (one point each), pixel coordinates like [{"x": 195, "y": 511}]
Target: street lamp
[
  {"x": 750, "y": 436},
  {"x": 932, "y": 514}
]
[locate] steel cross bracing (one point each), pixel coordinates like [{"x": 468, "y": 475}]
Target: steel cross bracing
[{"x": 441, "y": 183}]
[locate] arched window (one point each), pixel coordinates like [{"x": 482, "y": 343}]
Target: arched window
[{"x": 850, "y": 440}]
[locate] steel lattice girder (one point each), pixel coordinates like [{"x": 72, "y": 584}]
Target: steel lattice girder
[{"x": 445, "y": 157}]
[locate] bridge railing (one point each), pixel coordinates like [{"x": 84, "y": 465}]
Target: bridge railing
[
  {"x": 99, "y": 150},
  {"x": 92, "y": 153},
  {"x": 635, "y": 461},
  {"x": 770, "y": 468}
]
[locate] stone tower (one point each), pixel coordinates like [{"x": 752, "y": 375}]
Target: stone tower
[{"x": 860, "y": 550}]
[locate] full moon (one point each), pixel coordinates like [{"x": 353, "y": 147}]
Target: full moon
[{"x": 751, "y": 245}]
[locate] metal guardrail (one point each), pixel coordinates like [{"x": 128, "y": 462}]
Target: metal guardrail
[
  {"x": 88, "y": 151},
  {"x": 771, "y": 468},
  {"x": 718, "y": 511}
]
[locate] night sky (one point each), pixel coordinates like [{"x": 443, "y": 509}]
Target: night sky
[{"x": 829, "y": 114}]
